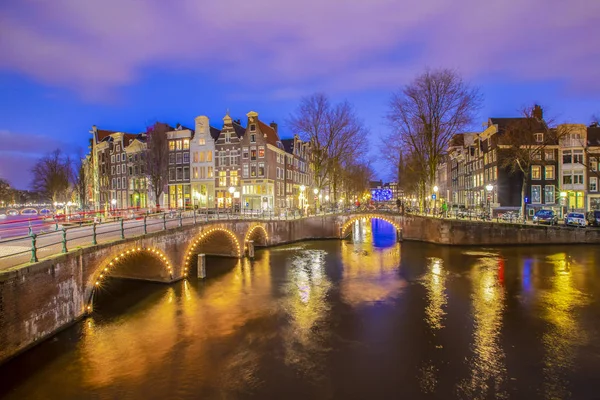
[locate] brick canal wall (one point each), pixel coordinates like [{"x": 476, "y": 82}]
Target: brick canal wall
[{"x": 37, "y": 300}]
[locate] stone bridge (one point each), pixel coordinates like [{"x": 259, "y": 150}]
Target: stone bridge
[{"x": 40, "y": 298}]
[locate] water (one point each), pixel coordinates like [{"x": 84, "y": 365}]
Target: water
[{"x": 331, "y": 319}]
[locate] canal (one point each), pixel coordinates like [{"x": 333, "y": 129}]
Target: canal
[{"x": 362, "y": 319}]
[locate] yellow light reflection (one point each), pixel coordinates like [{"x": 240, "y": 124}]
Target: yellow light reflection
[{"x": 434, "y": 281}]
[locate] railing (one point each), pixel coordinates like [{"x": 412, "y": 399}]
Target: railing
[{"x": 60, "y": 239}]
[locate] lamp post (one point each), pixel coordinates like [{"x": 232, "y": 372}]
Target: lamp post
[
  {"x": 563, "y": 200},
  {"x": 316, "y": 192},
  {"x": 231, "y": 190},
  {"x": 435, "y": 190},
  {"x": 114, "y": 203},
  {"x": 489, "y": 189},
  {"x": 302, "y": 189}
]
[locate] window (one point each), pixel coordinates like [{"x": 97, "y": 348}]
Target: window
[
  {"x": 178, "y": 144},
  {"x": 123, "y": 183},
  {"x": 536, "y": 155},
  {"x": 567, "y": 178},
  {"x": 289, "y": 174},
  {"x": 112, "y": 170},
  {"x": 195, "y": 172},
  {"x": 222, "y": 157},
  {"x": 578, "y": 156},
  {"x": 539, "y": 137},
  {"x": 222, "y": 178},
  {"x": 549, "y": 172},
  {"x": 549, "y": 194},
  {"x": 536, "y": 194},
  {"x": 209, "y": 156},
  {"x": 186, "y": 158},
  {"x": 245, "y": 152},
  {"x": 252, "y": 128},
  {"x": 227, "y": 138},
  {"x": 171, "y": 174},
  {"x": 593, "y": 164},
  {"x": 261, "y": 169},
  {"x": 186, "y": 173},
  {"x": 210, "y": 172},
  {"x": 578, "y": 178},
  {"x": 233, "y": 157},
  {"x": 253, "y": 138},
  {"x": 234, "y": 178},
  {"x": 118, "y": 169},
  {"x": 261, "y": 152},
  {"x": 112, "y": 159},
  {"x": 201, "y": 141},
  {"x": 178, "y": 158},
  {"x": 130, "y": 170},
  {"x": 245, "y": 170},
  {"x": 118, "y": 148},
  {"x": 549, "y": 155},
  {"x": 253, "y": 170},
  {"x": 171, "y": 145},
  {"x": 186, "y": 144},
  {"x": 593, "y": 184},
  {"x": 567, "y": 157},
  {"x": 253, "y": 154},
  {"x": 195, "y": 156},
  {"x": 113, "y": 183},
  {"x": 201, "y": 156}
]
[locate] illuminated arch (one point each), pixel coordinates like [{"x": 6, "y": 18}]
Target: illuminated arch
[
  {"x": 106, "y": 268},
  {"x": 12, "y": 211},
  {"x": 352, "y": 220},
  {"x": 261, "y": 231},
  {"x": 45, "y": 211},
  {"x": 204, "y": 235},
  {"x": 29, "y": 211}
]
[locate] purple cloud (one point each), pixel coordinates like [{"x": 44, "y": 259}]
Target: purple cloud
[{"x": 95, "y": 47}]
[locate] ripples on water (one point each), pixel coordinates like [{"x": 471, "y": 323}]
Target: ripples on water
[{"x": 361, "y": 319}]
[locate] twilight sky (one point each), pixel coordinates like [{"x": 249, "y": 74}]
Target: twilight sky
[{"x": 120, "y": 64}]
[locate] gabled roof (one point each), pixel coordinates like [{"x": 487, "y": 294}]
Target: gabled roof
[
  {"x": 457, "y": 140},
  {"x": 214, "y": 133},
  {"x": 239, "y": 129},
  {"x": 272, "y": 137},
  {"x": 503, "y": 123},
  {"x": 288, "y": 145},
  {"x": 102, "y": 134},
  {"x": 593, "y": 136}
]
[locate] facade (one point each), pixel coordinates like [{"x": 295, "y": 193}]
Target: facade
[
  {"x": 573, "y": 166},
  {"x": 297, "y": 172},
  {"x": 593, "y": 170},
  {"x": 136, "y": 172},
  {"x": 227, "y": 164},
  {"x": 262, "y": 166},
  {"x": 179, "y": 185},
  {"x": 202, "y": 149}
]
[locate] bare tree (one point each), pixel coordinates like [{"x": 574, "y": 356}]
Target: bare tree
[
  {"x": 157, "y": 158},
  {"x": 595, "y": 120},
  {"x": 426, "y": 113},
  {"x": 6, "y": 192},
  {"x": 336, "y": 134},
  {"x": 52, "y": 176},
  {"x": 522, "y": 143},
  {"x": 82, "y": 179}
]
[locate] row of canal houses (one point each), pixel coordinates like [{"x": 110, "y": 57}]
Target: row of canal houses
[
  {"x": 236, "y": 167},
  {"x": 563, "y": 176}
]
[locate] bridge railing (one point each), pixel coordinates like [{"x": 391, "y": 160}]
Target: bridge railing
[{"x": 60, "y": 238}]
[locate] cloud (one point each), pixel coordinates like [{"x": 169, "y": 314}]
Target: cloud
[{"x": 96, "y": 47}]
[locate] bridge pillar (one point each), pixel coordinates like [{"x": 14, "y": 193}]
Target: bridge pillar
[
  {"x": 201, "y": 266},
  {"x": 251, "y": 249},
  {"x": 399, "y": 235}
]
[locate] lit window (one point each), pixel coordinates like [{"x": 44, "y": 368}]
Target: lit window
[
  {"x": 171, "y": 145},
  {"x": 222, "y": 178},
  {"x": 234, "y": 178},
  {"x": 253, "y": 154},
  {"x": 261, "y": 169},
  {"x": 186, "y": 144},
  {"x": 549, "y": 172},
  {"x": 593, "y": 184},
  {"x": 209, "y": 156},
  {"x": 261, "y": 152},
  {"x": 536, "y": 194},
  {"x": 202, "y": 141},
  {"x": 549, "y": 155},
  {"x": 245, "y": 152},
  {"x": 539, "y": 137},
  {"x": 178, "y": 144}
]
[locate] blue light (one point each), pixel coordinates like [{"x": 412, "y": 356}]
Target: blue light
[{"x": 381, "y": 194}]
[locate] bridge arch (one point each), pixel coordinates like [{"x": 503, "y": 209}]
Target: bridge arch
[
  {"x": 213, "y": 241},
  {"x": 110, "y": 268},
  {"x": 12, "y": 211},
  {"x": 29, "y": 211},
  {"x": 258, "y": 234},
  {"x": 347, "y": 226}
]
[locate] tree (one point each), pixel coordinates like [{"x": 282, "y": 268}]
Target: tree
[
  {"x": 522, "y": 143},
  {"x": 427, "y": 113},
  {"x": 82, "y": 179},
  {"x": 336, "y": 134},
  {"x": 157, "y": 159},
  {"x": 5, "y": 191},
  {"x": 52, "y": 176}
]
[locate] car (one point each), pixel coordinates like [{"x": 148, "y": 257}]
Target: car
[
  {"x": 593, "y": 218},
  {"x": 575, "y": 219},
  {"x": 545, "y": 217}
]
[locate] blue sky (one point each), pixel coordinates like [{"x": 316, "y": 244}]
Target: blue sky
[{"x": 121, "y": 64}]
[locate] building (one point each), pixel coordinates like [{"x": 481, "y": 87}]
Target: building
[
  {"x": 593, "y": 170},
  {"x": 573, "y": 166},
  {"x": 179, "y": 184},
  {"x": 263, "y": 166},
  {"x": 227, "y": 163},
  {"x": 202, "y": 149},
  {"x": 298, "y": 181},
  {"x": 136, "y": 172}
]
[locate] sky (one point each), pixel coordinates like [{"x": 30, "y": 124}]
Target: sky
[{"x": 66, "y": 65}]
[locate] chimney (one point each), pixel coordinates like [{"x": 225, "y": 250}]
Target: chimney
[
  {"x": 538, "y": 112},
  {"x": 274, "y": 126}
]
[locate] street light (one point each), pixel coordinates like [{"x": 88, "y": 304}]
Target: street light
[
  {"x": 435, "y": 190},
  {"x": 231, "y": 190},
  {"x": 563, "y": 201},
  {"x": 113, "y": 202},
  {"x": 489, "y": 189}
]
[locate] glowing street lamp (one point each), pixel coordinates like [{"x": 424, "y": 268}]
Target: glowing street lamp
[
  {"x": 489, "y": 189},
  {"x": 113, "y": 202},
  {"x": 435, "y": 190},
  {"x": 563, "y": 202},
  {"x": 231, "y": 190}
]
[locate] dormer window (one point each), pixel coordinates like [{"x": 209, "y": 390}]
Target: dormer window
[
  {"x": 253, "y": 128},
  {"x": 227, "y": 138},
  {"x": 539, "y": 137},
  {"x": 252, "y": 138}
]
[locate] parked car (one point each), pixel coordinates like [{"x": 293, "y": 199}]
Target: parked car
[
  {"x": 593, "y": 218},
  {"x": 545, "y": 217},
  {"x": 575, "y": 219}
]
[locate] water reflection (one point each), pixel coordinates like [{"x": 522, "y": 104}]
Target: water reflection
[
  {"x": 487, "y": 364},
  {"x": 434, "y": 281},
  {"x": 564, "y": 333}
]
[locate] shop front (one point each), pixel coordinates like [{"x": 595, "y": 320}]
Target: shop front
[
  {"x": 575, "y": 201},
  {"x": 180, "y": 196}
]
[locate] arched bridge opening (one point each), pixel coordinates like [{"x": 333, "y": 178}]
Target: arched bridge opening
[
  {"x": 387, "y": 228},
  {"x": 256, "y": 236},
  {"x": 139, "y": 263},
  {"x": 219, "y": 242}
]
